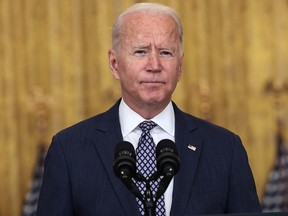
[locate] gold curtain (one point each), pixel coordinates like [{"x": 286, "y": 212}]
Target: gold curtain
[{"x": 55, "y": 52}]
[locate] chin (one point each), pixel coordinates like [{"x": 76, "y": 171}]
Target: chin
[{"x": 154, "y": 100}]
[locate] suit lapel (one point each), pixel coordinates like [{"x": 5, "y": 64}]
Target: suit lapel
[
  {"x": 189, "y": 145},
  {"x": 109, "y": 135}
]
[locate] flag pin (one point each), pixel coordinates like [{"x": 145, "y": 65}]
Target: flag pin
[{"x": 193, "y": 148}]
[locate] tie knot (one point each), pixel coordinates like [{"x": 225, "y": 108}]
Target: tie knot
[{"x": 146, "y": 126}]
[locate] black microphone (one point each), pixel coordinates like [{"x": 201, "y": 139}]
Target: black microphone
[
  {"x": 124, "y": 166},
  {"x": 168, "y": 164}
]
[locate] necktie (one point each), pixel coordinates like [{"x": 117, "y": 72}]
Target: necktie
[{"x": 146, "y": 165}]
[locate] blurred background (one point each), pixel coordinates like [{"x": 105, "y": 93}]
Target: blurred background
[{"x": 54, "y": 72}]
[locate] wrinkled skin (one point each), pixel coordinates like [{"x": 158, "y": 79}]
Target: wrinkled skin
[{"x": 148, "y": 62}]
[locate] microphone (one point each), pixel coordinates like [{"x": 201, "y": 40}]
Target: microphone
[
  {"x": 124, "y": 166},
  {"x": 168, "y": 164},
  {"x": 167, "y": 158}
]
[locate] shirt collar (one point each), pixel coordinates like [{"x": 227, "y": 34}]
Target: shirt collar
[{"x": 129, "y": 119}]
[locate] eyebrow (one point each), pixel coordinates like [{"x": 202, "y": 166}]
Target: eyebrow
[
  {"x": 141, "y": 47},
  {"x": 149, "y": 46}
]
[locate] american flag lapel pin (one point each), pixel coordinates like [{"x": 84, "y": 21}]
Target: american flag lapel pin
[{"x": 191, "y": 147}]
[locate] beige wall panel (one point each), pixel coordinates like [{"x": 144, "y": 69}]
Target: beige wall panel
[
  {"x": 261, "y": 123},
  {"x": 9, "y": 176}
]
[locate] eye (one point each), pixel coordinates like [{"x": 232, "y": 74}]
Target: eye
[
  {"x": 140, "y": 52},
  {"x": 166, "y": 53}
]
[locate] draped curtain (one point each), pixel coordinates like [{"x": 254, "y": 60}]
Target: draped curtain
[{"x": 54, "y": 72}]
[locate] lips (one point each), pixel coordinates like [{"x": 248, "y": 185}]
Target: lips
[
  {"x": 152, "y": 82},
  {"x": 152, "y": 85}
]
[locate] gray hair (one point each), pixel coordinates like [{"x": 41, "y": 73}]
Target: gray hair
[{"x": 153, "y": 8}]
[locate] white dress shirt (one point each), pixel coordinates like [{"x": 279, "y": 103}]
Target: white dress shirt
[{"x": 165, "y": 129}]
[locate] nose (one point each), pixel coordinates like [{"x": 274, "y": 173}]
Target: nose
[{"x": 154, "y": 63}]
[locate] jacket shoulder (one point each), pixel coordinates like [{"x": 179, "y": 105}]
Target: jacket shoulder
[{"x": 100, "y": 122}]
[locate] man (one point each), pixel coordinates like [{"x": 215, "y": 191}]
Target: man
[{"x": 146, "y": 57}]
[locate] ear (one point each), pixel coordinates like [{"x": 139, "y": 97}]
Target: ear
[
  {"x": 180, "y": 68},
  {"x": 113, "y": 63}
]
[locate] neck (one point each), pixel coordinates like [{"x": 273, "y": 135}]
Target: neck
[{"x": 147, "y": 111}]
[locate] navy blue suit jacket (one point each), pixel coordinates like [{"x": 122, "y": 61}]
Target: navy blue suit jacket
[{"x": 79, "y": 178}]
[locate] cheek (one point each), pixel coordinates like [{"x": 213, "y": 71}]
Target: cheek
[
  {"x": 129, "y": 71},
  {"x": 128, "y": 78}
]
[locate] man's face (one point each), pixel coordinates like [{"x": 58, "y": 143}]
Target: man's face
[{"x": 148, "y": 62}]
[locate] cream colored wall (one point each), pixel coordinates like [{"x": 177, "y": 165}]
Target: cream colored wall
[{"x": 232, "y": 49}]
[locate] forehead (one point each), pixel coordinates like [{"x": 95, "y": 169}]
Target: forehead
[{"x": 141, "y": 25}]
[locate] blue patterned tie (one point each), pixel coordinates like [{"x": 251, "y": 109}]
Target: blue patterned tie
[{"x": 146, "y": 165}]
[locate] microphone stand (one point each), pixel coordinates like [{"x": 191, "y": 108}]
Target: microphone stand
[
  {"x": 149, "y": 203},
  {"x": 124, "y": 166},
  {"x": 147, "y": 200},
  {"x": 163, "y": 185}
]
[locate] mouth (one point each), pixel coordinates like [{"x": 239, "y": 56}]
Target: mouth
[
  {"x": 153, "y": 86},
  {"x": 152, "y": 82}
]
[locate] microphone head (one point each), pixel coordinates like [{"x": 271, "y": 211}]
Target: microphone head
[
  {"x": 168, "y": 162},
  {"x": 124, "y": 164}
]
